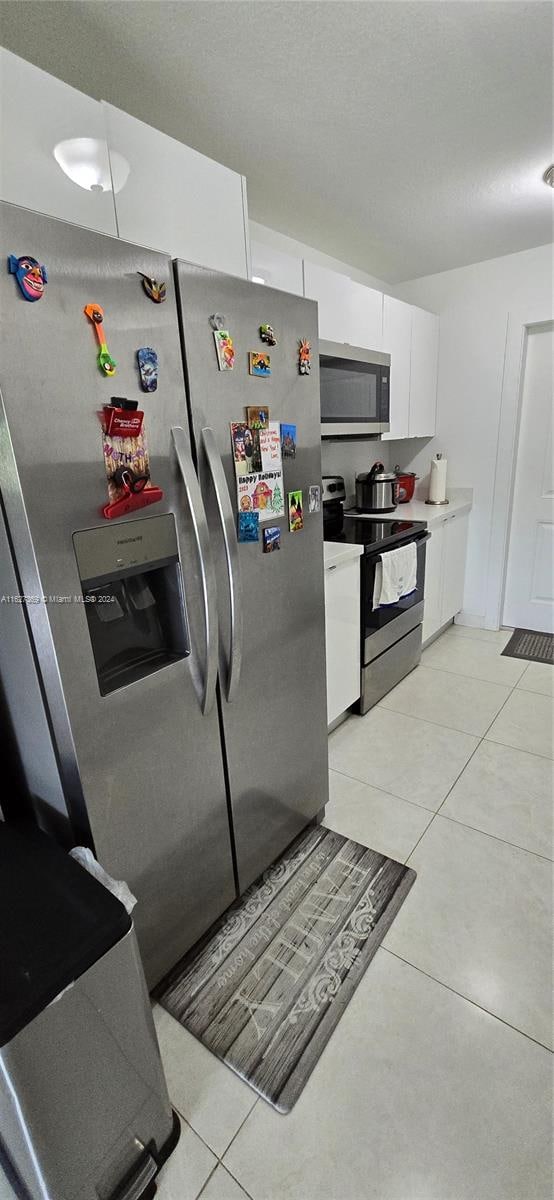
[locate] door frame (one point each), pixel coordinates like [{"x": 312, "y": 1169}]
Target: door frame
[{"x": 519, "y": 325}]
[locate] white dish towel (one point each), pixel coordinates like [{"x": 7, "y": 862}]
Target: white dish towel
[{"x": 395, "y": 575}]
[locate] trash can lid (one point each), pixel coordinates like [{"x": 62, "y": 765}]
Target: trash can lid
[{"x": 56, "y": 920}]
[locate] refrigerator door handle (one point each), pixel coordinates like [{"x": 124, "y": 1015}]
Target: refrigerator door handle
[
  {"x": 207, "y": 572},
  {"x": 228, "y": 529}
]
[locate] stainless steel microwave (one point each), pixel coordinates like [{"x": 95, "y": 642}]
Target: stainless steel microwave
[{"x": 355, "y": 390}]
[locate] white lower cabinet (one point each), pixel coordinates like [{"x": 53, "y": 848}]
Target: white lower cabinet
[
  {"x": 342, "y": 635},
  {"x": 445, "y": 572}
]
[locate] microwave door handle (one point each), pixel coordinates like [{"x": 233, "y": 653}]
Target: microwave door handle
[
  {"x": 207, "y": 572},
  {"x": 227, "y": 520}
]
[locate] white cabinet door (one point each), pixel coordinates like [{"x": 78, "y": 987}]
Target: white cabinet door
[
  {"x": 423, "y": 373},
  {"x": 434, "y": 576},
  {"x": 39, "y": 112},
  {"x": 342, "y": 636},
  {"x": 177, "y": 200},
  {"x": 454, "y": 565},
  {"x": 348, "y": 311},
  {"x": 277, "y": 269},
  {"x": 397, "y": 334},
  {"x": 332, "y": 292},
  {"x": 365, "y": 316}
]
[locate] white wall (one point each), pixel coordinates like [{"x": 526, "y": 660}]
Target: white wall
[
  {"x": 262, "y": 235},
  {"x": 474, "y": 303}
]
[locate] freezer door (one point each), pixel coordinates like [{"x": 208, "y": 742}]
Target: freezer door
[
  {"x": 271, "y": 606},
  {"x": 141, "y": 765}
]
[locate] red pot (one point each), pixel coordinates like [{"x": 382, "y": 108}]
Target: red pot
[{"x": 405, "y": 484}]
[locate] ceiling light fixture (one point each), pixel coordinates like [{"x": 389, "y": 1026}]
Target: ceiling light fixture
[
  {"x": 549, "y": 175},
  {"x": 86, "y": 162}
]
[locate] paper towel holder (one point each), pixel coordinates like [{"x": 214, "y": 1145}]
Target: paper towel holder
[{"x": 438, "y": 502}]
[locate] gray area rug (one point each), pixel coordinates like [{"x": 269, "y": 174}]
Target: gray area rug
[
  {"x": 526, "y": 643},
  {"x": 266, "y": 986}
]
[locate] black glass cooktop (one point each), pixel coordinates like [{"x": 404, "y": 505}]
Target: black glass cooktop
[{"x": 374, "y": 533}]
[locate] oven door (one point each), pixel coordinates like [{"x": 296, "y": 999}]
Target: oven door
[{"x": 384, "y": 626}]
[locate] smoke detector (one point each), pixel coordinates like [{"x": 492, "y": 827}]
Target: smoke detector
[{"x": 549, "y": 175}]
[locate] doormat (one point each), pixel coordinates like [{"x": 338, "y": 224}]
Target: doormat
[
  {"x": 536, "y": 647},
  {"x": 267, "y": 984}
]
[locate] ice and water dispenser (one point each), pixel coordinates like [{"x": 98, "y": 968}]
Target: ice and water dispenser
[{"x": 134, "y": 601}]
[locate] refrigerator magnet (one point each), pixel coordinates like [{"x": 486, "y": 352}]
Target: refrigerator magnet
[
  {"x": 217, "y": 321},
  {"x": 271, "y": 538},
  {"x": 246, "y": 448},
  {"x": 148, "y": 367},
  {"x": 267, "y": 335},
  {"x": 304, "y": 357},
  {"x": 154, "y": 290},
  {"x": 296, "y": 517},
  {"x": 259, "y": 364},
  {"x": 248, "y": 527},
  {"x": 225, "y": 349},
  {"x": 257, "y": 417},
  {"x": 288, "y": 441},
  {"x": 106, "y": 364},
  {"x": 30, "y": 276},
  {"x": 314, "y": 498}
]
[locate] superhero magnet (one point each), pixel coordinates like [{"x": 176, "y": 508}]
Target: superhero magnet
[
  {"x": 155, "y": 290},
  {"x": 95, "y": 314},
  {"x": 304, "y": 357},
  {"x": 148, "y": 367},
  {"x": 267, "y": 335},
  {"x": 30, "y": 276}
]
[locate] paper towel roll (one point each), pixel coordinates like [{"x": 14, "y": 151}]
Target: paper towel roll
[{"x": 437, "y": 483}]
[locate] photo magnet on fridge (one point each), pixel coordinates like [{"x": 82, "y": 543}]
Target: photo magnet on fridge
[
  {"x": 259, "y": 363},
  {"x": 314, "y": 498},
  {"x": 30, "y": 276},
  {"x": 248, "y": 527},
  {"x": 148, "y": 367},
  {"x": 225, "y": 349},
  {"x": 257, "y": 416},
  {"x": 304, "y": 357},
  {"x": 296, "y": 517},
  {"x": 246, "y": 448},
  {"x": 271, "y": 538},
  {"x": 288, "y": 441}
]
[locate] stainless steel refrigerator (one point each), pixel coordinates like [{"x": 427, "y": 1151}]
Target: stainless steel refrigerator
[{"x": 163, "y": 685}]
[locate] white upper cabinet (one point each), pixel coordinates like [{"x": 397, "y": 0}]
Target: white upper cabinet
[
  {"x": 397, "y": 338},
  {"x": 332, "y": 292},
  {"x": 348, "y": 311},
  {"x": 38, "y": 113},
  {"x": 423, "y": 373},
  {"x": 176, "y": 199},
  {"x": 277, "y": 269}
]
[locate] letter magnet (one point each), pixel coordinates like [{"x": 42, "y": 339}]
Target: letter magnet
[
  {"x": 30, "y": 276},
  {"x": 148, "y": 367}
]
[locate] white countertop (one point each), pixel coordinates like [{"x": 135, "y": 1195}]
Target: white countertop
[
  {"x": 336, "y": 552},
  {"x": 460, "y": 501}
]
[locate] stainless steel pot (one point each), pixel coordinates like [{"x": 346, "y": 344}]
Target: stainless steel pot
[{"x": 376, "y": 492}]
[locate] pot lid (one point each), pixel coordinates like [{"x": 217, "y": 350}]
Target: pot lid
[{"x": 381, "y": 477}]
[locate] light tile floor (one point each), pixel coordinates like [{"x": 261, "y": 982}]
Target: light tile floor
[{"x": 435, "y": 1083}]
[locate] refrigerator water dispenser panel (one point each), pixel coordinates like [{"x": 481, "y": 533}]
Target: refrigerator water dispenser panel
[{"x": 131, "y": 582}]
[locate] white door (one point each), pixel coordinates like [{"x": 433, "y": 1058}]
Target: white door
[
  {"x": 432, "y": 601},
  {"x": 529, "y": 596},
  {"x": 454, "y": 565}
]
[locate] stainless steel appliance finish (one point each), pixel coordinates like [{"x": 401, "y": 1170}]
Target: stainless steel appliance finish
[
  {"x": 141, "y": 770},
  {"x": 390, "y": 636},
  {"x": 376, "y": 490},
  {"x": 270, "y": 607},
  {"x": 355, "y": 390}
]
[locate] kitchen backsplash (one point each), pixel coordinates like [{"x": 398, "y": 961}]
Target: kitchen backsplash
[{"x": 349, "y": 459}]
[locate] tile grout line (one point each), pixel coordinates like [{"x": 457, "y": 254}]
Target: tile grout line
[
  {"x": 495, "y": 837},
  {"x": 467, "y": 999},
  {"x": 235, "y": 1135},
  {"x": 385, "y": 791},
  {"x": 481, "y": 739}
]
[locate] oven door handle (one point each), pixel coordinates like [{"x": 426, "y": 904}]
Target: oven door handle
[{"x": 416, "y": 541}]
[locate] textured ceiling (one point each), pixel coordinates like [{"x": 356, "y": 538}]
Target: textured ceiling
[{"x": 404, "y": 138}]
